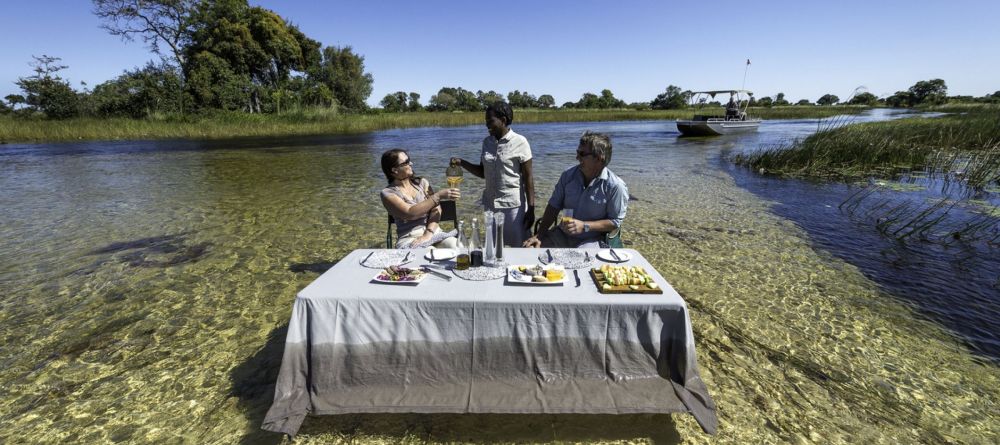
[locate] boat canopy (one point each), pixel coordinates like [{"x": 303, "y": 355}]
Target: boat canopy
[{"x": 714, "y": 92}]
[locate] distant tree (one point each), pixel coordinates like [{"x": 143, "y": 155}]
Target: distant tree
[
  {"x": 14, "y": 100},
  {"x": 929, "y": 92},
  {"x": 414, "y": 103},
  {"x": 395, "y": 102},
  {"x": 779, "y": 99},
  {"x": 864, "y": 98},
  {"x": 454, "y": 99},
  {"x": 546, "y": 101},
  {"x": 639, "y": 105},
  {"x": 765, "y": 102},
  {"x": 140, "y": 93},
  {"x": 672, "y": 98},
  {"x": 47, "y": 92},
  {"x": 608, "y": 100},
  {"x": 803, "y": 102},
  {"x": 827, "y": 99},
  {"x": 901, "y": 99},
  {"x": 568, "y": 105},
  {"x": 166, "y": 22},
  {"x": 344, "y": 72},
  {"x": 485, "y": 99},
  {"x": 518, "y": 99}
]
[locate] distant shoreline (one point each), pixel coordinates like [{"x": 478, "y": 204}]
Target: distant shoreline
[{"x": 313, "y": 122}]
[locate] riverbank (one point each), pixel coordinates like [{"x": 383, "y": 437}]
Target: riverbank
[
  {"x": 968, "y": 140},
  {"x": 319, "y": 122}
]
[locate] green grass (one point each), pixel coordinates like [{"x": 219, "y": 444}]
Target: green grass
[
  {"x": 318, "y": 121},
  {"x": 967, "y": 143}
]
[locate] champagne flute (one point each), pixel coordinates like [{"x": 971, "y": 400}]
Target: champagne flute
[{"x": 454, "y": 175}]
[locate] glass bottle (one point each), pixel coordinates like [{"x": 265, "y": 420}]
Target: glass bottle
[
  {"x": 475, "y": 251},
  {"x": 498, "y": 218},
  {"x": 489, "y": 250},
  {"x": 463, "y": 260}
]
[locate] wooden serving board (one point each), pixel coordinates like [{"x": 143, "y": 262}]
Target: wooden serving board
[{"x": 598, "y": 277}]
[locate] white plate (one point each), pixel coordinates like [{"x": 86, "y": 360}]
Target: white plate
[
  {"x": 440, "y": 254},
  {"x": 515, "y": 276},
  {"x": 378, "y": 279},
  {"x": 605, "y": 255}
]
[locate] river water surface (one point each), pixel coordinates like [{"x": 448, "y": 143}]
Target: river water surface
[{"x": 146, "y": 288}]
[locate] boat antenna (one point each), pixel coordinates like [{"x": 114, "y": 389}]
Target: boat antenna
[{"x": 745, "y": 71}]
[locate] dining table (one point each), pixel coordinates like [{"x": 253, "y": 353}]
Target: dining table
[{"x": 448, "y": 344}]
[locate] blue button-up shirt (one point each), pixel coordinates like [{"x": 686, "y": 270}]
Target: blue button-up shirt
[{"x": 606, "y": 197}]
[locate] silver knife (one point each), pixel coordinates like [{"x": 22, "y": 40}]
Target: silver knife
[
  {"x": 550, "y": 255},
  {"x": 366, "y": 258},
  {"x": 435, "y": 273},
  {"x": 614, "y": 254}
]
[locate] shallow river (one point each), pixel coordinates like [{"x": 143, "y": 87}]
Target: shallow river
[{"x": 146, "y": 287}]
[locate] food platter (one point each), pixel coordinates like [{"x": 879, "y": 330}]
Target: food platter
[
  {"x": 624, "y": 280},
  {"x": 522, "y": 275},
  {"x": 400, "y": 275}
]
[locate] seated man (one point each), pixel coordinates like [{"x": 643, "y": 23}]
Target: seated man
[
  {"x": 597, "y": 196},
  {"x": 732, "y": 109}
]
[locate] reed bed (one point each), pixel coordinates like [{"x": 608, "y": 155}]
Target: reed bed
[
  {"x": 319, "y": 122},
  {"x": 955, "y": 159}
]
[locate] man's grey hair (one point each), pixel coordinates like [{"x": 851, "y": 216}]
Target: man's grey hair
[{"x": 600, "y": 143}]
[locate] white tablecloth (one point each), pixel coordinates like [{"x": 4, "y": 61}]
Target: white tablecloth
[{"x": 485, "y": 347}]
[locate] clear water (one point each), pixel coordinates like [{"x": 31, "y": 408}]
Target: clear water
[{"x": 146, "y": 287}]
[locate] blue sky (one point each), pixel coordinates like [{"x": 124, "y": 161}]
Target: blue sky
[{"x": 566, "y": 48}]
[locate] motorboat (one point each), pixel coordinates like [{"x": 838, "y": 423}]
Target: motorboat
[{"x": 735, "y": 119}]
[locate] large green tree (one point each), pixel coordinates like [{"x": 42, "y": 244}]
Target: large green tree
[
  {"x": 394, "y": 102},
  {"x": 454, "y": 99},
  {"x": 864, "y": 98},
  {"x": 233, "y": 43},
  {"x": 343, "y": 71},
  {"x": 929, "y": 92}
]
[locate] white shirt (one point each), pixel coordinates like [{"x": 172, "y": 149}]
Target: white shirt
[{"x": 502, "y": 170}]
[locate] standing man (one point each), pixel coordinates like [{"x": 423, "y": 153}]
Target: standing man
[
  {"x": 597, "y": 196},
  {"x": 505, "y": 164}
]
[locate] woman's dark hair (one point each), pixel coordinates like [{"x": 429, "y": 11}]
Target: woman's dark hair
[
  {"x": 502, "y": 110},
  {"x": 389, "y": 160}
]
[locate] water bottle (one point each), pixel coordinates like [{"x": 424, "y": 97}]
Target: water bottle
[
  {"x": 489, "y": 250},
  {"x": 498, "y": 224}
]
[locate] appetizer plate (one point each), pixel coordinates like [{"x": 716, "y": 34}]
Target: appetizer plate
[
  {"x": 415, "y": 276},
  {"x": 441, "y": 254},
  {"x": 606, "y": 256},
  {"x": 515, "y": 276}
]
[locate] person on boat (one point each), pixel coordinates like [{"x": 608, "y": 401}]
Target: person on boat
[
  {"x": 598, "y": 197},
  {"x": 505, "y": 163},
  {"x": 412, "y": 202},
  {"x": 732, "y": 108}
]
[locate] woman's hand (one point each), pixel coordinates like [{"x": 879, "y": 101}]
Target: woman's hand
[
  {"x": 532, "y": 242},
  {"x": 448, "y": 194},
  {"x": 426, "y": 236}
]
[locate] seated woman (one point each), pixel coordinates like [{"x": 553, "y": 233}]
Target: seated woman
[{"x": 412, "y": 203}]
